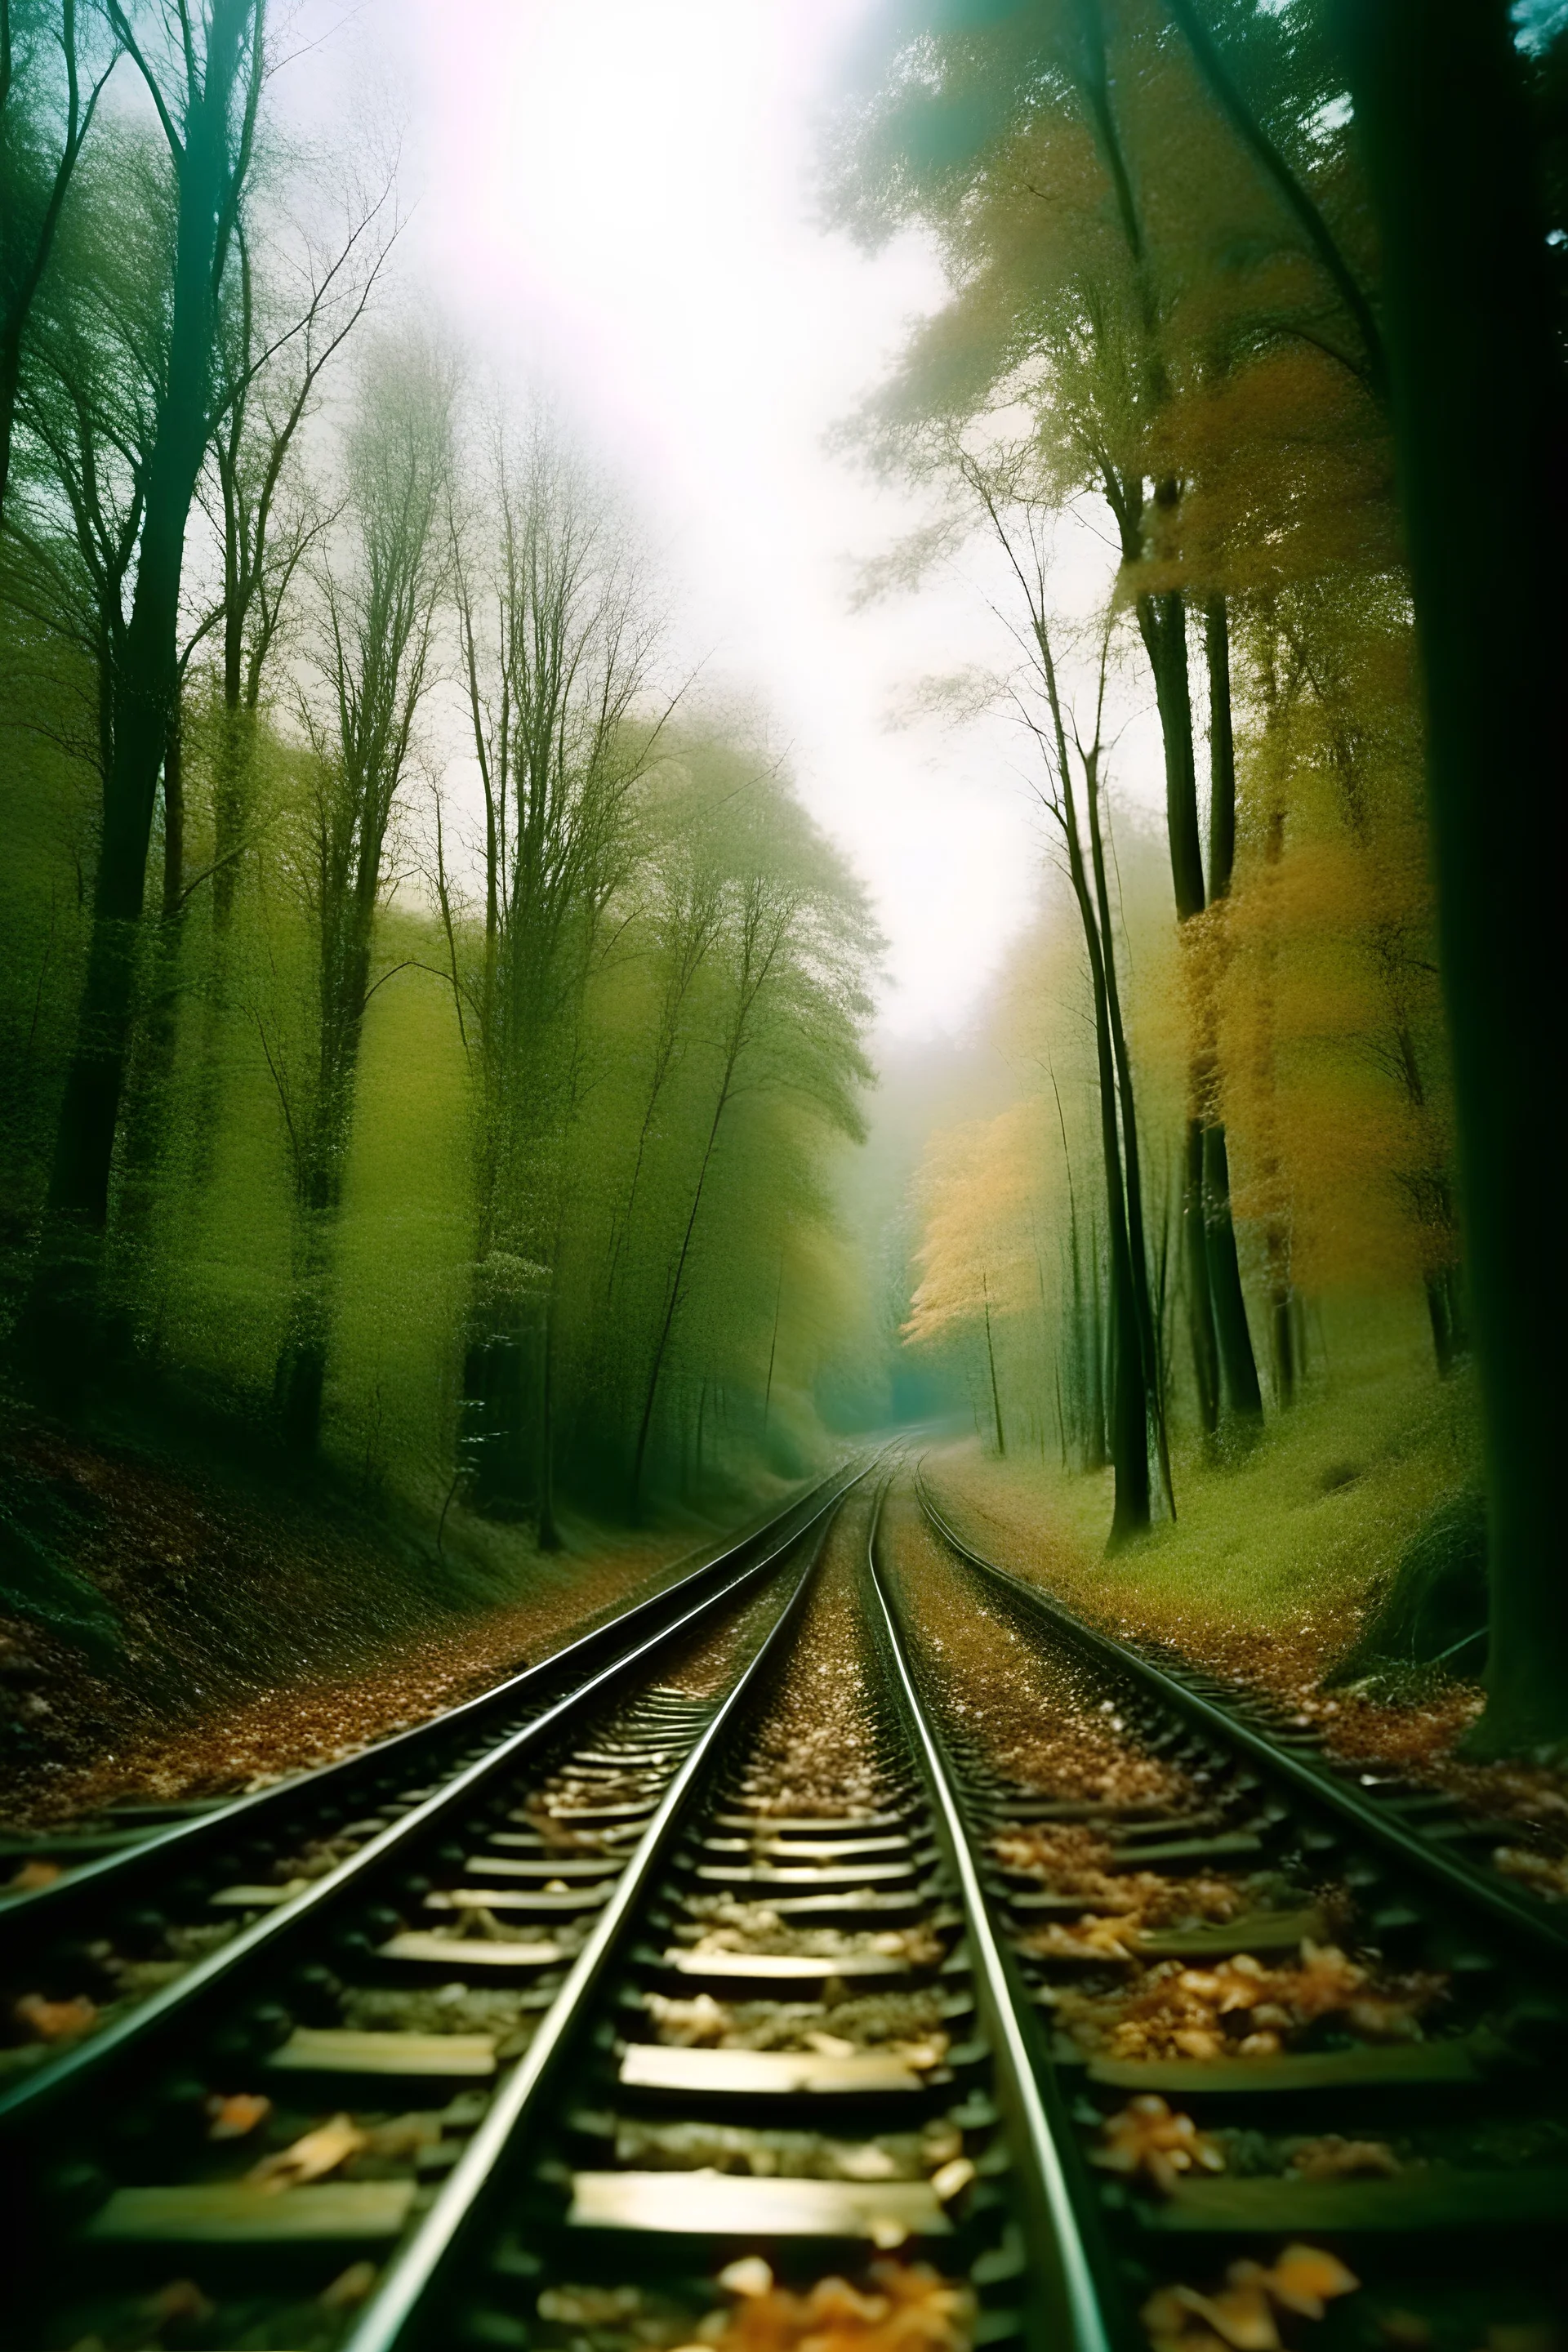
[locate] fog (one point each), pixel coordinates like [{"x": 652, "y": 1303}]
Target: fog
[{"x": 620, "y": 209}]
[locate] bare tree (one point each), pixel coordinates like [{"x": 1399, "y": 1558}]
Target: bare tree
[
  {"x": 759, "y": 923},
  {"x": 283, "y": 327},
  {"x": 1137, "y": 1404},
  {"x": 32, "y": 212},
  {"x": 380, "y": 596},
  {"x": 558, "y": 638}
]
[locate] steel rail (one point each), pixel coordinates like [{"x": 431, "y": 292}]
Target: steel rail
[
  {"x": 87, "y": 1883},
  {"x": 1517, "y": 1915},
  {"x": 427, "y": 2263},
  {"x": 1072, "y": 2270},
  {"x": 28, "y": 2098}
]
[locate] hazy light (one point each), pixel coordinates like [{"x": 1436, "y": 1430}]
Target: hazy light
[{"x": 615, "y": 204}]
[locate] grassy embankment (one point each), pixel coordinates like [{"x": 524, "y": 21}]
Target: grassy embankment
[{"x": 1276, "y": 1550}]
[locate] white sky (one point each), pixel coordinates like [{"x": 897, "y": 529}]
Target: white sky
[{"x": 614, "y": 204}]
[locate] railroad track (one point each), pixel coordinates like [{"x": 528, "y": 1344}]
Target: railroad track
[
  {"x": 750, "y": 1993},
  {"x": 722, "y": 2033},
  {"x": 1424, "y": 1832},
  {"x": 130, "y": 1930},
  {"x": 782, "y": 2074},
  {"x": 378, "y": 2014},
  {"x": 1283, "y": 2006}
]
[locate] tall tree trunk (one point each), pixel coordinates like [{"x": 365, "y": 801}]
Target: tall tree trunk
[
  {"x": 1233, "y": 1340},
  {"x": 1129, "y": 1419},
  {"x": 773, "y": 1347},
  {"x": 63, "y": 1303},
  {"x": 991, "y": 1362},
  {"x": 1196, "y": 1266},
  {"x": 1162, "y": 623},
  {"x": 1480, "y": 410},
  {"x": 1092, "y": 1339},
  {"x": 299, "y": 1382},
  {"x": 300, "y": 1379},
  {"x": 549, "y": 1533},
  {"x": 672, "y": 1302},
  {"x": 150, "y": 1115},
  {"x": 1138, "y": 1255},
  {"x": 1237, "y": 1362}
]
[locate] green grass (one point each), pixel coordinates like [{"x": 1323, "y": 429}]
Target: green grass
[{"x": 1292, "y": 1534}]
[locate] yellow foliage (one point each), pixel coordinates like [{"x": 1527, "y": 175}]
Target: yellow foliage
[{"x": 979, "y": 1192}]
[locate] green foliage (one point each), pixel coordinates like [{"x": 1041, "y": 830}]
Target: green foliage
[
  {"x": 488, "y": 1153},
  {"x": 1290, "y": 1538}
]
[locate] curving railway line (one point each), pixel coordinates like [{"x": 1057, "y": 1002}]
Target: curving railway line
[{"x": 846, "y": 1946}]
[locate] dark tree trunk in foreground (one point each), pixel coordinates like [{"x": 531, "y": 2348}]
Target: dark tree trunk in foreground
[{"x": 1481, "y": 416}]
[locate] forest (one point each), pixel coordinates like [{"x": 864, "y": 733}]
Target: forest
[
  {"x": 1196, "y": 435},
  {"x": 477, "y": 1138},
  {"x": 440, "y": 1032}
]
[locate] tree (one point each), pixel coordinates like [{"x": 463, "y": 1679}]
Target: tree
[
  {"x": 757, "y": 923},
  {"x": 772, "y": 1050},
  {"x": 34, "y": 191},
  {"x": 206, "y": 94},
  {"x": 380, "y": 596},
  {"x": 559, "y": 635},
  {"x": 1463, "y": 240},
  {"x": 1118, "y": 238},
  {"x": 281, "y": 333}
]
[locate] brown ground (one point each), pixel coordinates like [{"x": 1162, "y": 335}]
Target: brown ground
[
  {"x": 814, "y": 1751},
  {"x": 264, "y": 1632},
  {"x": 1035, "y": 1716}
]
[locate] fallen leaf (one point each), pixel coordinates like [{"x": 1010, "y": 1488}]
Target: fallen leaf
[
  {"x": 749, "y": 2275},
  {"x": 404, "y": 2135},
  {"x": 590, "y": 2306},
  {"x": 233, "y": 2117},
  {"x": 1404, "y": 2331},
  {"x": 1149, "y": 2137},
  {"x": 54, "y": 2020},
  {"x": 1334, "y": 2158},
  {"x": 181, "y": 2299},
  {"x": 904, "y": 2308},
  {"x": 1547, "y": 1874},
  {"x": 311, "y": 2157},
  {"x": 32, "y": 1875},
  {"x": 1305, "y": 2279},
  {"x": 1241, "y": 2315}
]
